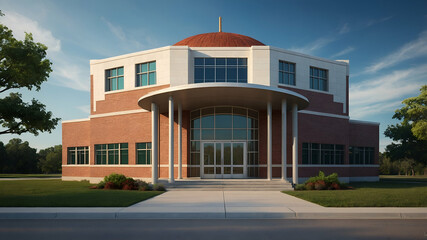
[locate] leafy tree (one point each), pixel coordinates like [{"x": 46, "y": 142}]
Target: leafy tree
[
  {"x": 23, "y": 64},
  {"x": 21, "y": 158},
  {"x": 3, "y": 156},
  {"x": 410, "y": 135},
  {"x": 50, "y": 159},
  {"x": 414, "y": 113}
]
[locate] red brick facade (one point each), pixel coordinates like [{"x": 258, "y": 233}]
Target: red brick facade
[{"x": 112, "y": 126}]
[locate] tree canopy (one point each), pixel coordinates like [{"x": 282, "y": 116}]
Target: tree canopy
[
  {"x": 23, "y": 64},
  {"x": 410, "y": 134}
]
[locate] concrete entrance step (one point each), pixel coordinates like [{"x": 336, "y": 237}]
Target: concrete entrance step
[{"x": 228, "y": 185}]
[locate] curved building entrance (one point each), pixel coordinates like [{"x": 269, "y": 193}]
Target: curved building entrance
[
  {"x": 224, "y": 142},
  {"x": 223, "y": 160}
]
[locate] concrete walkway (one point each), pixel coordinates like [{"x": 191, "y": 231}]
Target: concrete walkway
[{"x": 217, "y": 205}]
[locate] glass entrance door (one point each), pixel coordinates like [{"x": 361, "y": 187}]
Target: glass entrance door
[{"x": 223, "y": 160}]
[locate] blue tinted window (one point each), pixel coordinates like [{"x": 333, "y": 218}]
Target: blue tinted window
[
  {"x": 243, "y": 74},
  {"x": 146, "y": 74},
  {"x": 242, "y": 61},
  {"x": 220, "y": 70},
  {"x": 318, "y": 79},
  {"x": 210, "y": 61},
  {"x": 199, "y": 61},
  {"x": 220, "y": 61},
  {"x": 209, "y": 74},
  {"x": 231, "y": 74},
  {"x": 220, "y": 74}
]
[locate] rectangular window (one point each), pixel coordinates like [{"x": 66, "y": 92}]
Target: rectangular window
[
  {"x": 145, "y": 74},
  {"x": 116, "y": 153},
  {"x": 361, "y": 155},
  {"x": 220, "y": 70},
  {"x": 114, "y": 79},
  {"x": 77, "y": 155},
  {"x": 287, "y": 73},
  {"x": 143, "y": 153},
  {"x": 324, "y": 154},
  {"x": 318, "y": 79}
]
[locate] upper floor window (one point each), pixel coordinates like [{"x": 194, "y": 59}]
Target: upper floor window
[
  {"x": 318, "y": 79},
  {"x": 114, "y": 79},
  {"x": 287, "y": 73},
  {"x": 145, "y": 74},
  {"x": 220, "y": 70}
]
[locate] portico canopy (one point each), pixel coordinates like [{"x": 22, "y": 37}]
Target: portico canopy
[{"x": 194, "y": 96}]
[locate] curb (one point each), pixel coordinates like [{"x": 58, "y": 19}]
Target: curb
[{"x": 209, "y": 215}]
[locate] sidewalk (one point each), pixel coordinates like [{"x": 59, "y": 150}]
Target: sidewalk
[{"x": 217, "y": 205}]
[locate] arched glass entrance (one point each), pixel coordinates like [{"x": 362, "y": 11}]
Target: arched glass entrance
[{"x": 224, "y": 142}]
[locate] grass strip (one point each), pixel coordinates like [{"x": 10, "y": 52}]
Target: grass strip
[
  {"x": 369, "y": 194},
  {"x": 57, "y": 193}
]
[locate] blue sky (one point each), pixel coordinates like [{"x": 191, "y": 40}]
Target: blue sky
[{"x": 385, "y": 41}]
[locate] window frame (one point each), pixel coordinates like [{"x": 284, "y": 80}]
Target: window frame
[
  {"x": 147, "y": 150},
  {"x": 86, "y": 154},
  {"x": 318, "y": 78},
  {"x": 139, "y": 72},
  {"x": 227, "y": 65},
  {"x": 361, "y": 154},
  {"x": 107, "y": 150},
  {"x": 284, "y": 72},
  {"x": 109, "y": 79},
  {"x": 322, "y": 151}
]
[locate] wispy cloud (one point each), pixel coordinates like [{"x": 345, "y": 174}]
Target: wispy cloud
[
  {"x": 376, "y": 21},
  {"x": 344, "y": 29},
  {"x": 385, "y": 93},
  {"x": 343, "y": 52},
  {"x": 84, "y": 108},
  {"x": 410, "y": 50},
  {"x": 128, "y": 42},
  {"x": 322, "y": 41},
  {"x": 66, "y": 72},
  {"x": 21, "y": 24}
]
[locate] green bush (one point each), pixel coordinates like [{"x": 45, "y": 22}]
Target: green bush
[
  {"x": 299, "y": 187},
  {"x": 116, "y": 179},
  {"x": 143, "y": 186},
  {"x": 100, "y": 185},
  {"x": 159, "y": 187},
  {"x": 322, "y": 182}
]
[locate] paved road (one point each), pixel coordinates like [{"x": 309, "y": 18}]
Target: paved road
[{"x": 212, "y": 229}]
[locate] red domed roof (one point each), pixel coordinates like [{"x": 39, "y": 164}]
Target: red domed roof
[{"x": 219, "y": 39}]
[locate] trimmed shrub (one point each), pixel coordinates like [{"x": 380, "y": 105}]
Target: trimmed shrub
[
  {"x": 110, "y": 185},
  {"x": 309, "y": 186},
  {"x": 143, "y": 186},
  {"x": 129, "y": 184},
  {"x": 322, "y": 182},
  {"x": 159, "y": 187},
  {"x": 116, "y": 179},
  {"x": 100, "y": 185},
  {"x": 320, "y": 185},
  {"x": 299, "y": 187}
]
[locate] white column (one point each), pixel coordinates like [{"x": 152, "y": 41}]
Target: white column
[
  {"x": 171, "y": 138},
  {"x": 295, "y": 144},
  {"x": 269, "y": 140},
  {"x": 179, "y": 141},
  {"x": 154, "y": 142},
  {"x": 284, "y": 160}
]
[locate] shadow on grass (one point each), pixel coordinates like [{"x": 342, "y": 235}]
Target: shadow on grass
[{"x": 386, "y": 184}]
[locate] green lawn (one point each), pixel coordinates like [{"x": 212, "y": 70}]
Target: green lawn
[
  {"x": 417, "y": 178},
  {"x": 56, "y": 193},
  {"x": 14, "y": 175},
  {"x": 370, "y": 194}
]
